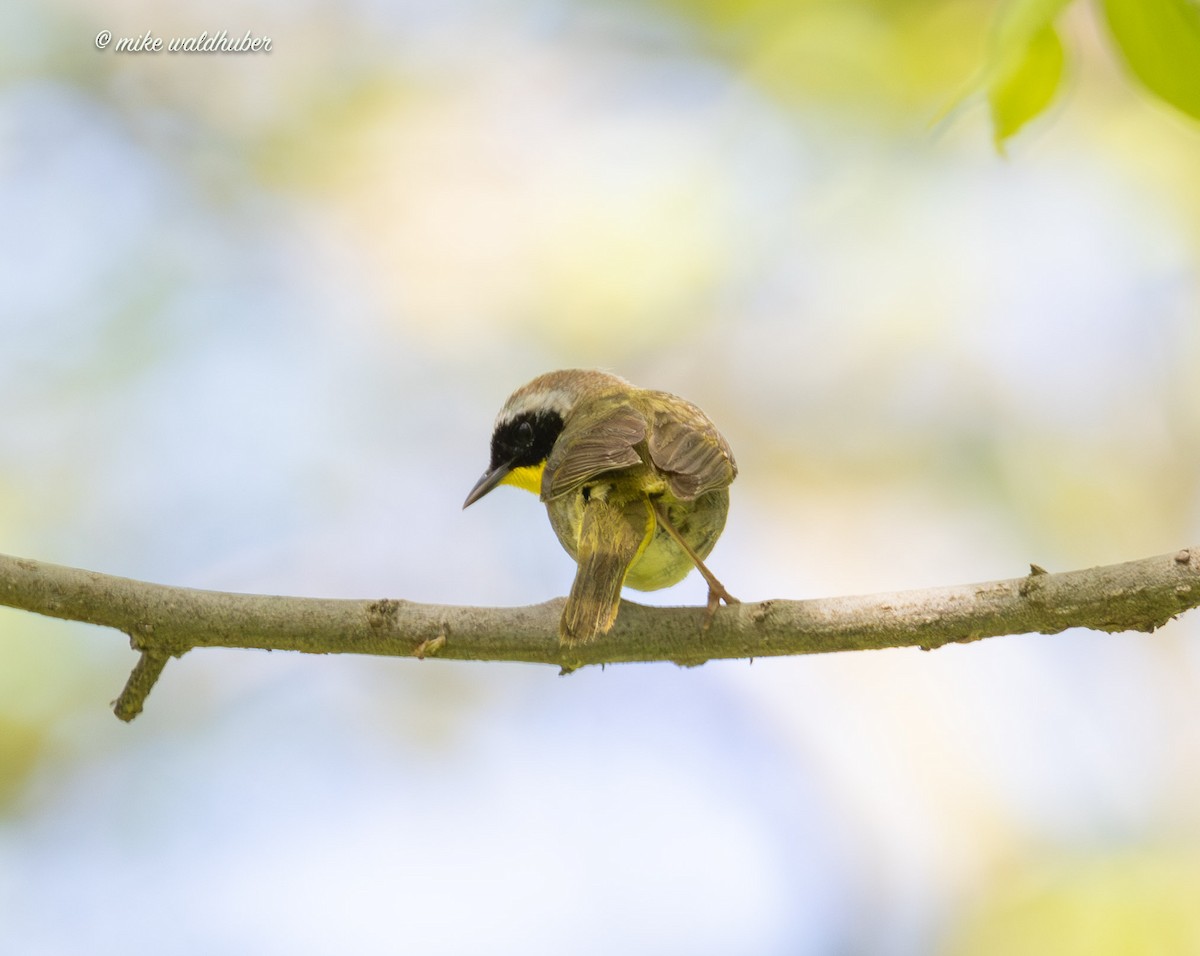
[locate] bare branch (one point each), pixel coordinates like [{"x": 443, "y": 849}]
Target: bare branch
[{"x": 165, "y": 622}]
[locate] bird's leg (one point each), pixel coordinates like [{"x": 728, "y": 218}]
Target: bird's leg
[{"x": 716, "y": 590}]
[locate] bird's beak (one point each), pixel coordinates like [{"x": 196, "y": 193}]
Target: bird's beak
[{"x": 489, "y": 481}]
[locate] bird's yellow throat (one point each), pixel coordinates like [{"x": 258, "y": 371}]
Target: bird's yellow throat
[{"x": 528, "y": 477}]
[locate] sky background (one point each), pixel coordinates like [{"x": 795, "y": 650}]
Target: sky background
[{"x": 258, "y": 312}]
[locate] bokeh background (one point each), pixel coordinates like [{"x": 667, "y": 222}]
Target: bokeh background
[{"x": 257, "y": 313}]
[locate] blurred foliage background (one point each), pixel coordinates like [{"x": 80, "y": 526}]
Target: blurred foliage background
[{"x": 258, "y": 312}]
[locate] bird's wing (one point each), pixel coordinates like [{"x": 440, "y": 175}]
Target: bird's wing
[
  {"x": 687, "y": 448},
  {"x": 603, "y": 444}
]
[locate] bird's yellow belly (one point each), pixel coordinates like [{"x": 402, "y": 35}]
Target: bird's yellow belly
[{"x": 662, "y": 562}]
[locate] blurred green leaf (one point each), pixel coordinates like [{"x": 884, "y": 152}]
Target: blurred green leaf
[
  {"x": 889, "y": 58},
  {"x": 1023, "y": 92},
  {"x": 21, "y": 746},
  {"x": 1160, "y": 40},
  {"x": 1018, "y": 23},
  {"x": 1023, "y": 68}
]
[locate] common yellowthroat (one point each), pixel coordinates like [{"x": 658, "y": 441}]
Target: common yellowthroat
[{"x": 636, "y": 484}]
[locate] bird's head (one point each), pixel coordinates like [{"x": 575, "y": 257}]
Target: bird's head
[{"x": 529, "y": 424}]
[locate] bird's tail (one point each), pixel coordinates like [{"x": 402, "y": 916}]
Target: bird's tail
[{"x": 611, "y": 537}]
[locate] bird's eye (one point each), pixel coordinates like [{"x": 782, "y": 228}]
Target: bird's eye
[{"x": 525, "y": 433}]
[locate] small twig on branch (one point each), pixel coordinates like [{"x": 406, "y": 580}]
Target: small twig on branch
[
  {"x": 141, "y": 680},
  {"x": 166, "y": 621}
]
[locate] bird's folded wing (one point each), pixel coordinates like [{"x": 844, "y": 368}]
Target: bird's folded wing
[
  {"x": 687, "y": 448},
  {"x": 583, "y": 452}
]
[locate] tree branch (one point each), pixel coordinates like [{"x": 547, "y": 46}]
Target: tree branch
[{"x": 164, "y": 622}]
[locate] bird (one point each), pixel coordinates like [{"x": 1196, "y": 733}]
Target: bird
[{"x": 635, "y": 483}]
